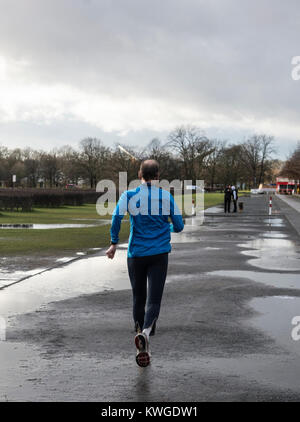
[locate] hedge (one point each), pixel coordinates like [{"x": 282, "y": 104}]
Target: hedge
[{"x": 26, "y": 200}]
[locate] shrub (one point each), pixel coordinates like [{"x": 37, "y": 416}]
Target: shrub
[{"x": 26, "y": 200}]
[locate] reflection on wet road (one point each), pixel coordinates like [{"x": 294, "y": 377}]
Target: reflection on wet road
[
  {"x": 275, "y": 235},
  {"x": 273, "y": 254},
  {"x": 52, "y": 226},
  {"x": 274, "y": 222},
  {"x": 8, "y": 277},
  {"x": 272, "y": 279},
  {"x": 85, "y": 276}
]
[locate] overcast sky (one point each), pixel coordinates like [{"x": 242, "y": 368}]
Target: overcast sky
[{"x": 129, "y": 70}]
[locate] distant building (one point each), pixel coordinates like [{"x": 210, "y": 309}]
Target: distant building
[{"x": 287, "y": 186}]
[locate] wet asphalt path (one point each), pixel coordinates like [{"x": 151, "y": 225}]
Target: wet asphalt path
[{"x": 224, "y": 332}]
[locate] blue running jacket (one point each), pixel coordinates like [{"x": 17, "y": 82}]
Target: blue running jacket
[{"x": 149, "y": 208}]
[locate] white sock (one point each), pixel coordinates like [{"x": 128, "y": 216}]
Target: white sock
[{"x": 147, "y": 331}]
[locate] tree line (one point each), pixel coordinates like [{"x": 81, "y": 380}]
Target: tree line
[
  {"x": 186, "y": 154},
  {"x": 291, "y": 168}
]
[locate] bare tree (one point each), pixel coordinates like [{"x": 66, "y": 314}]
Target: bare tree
[
  {"x": 192, "y": 147},
  {"x": 4, "y": 153},
  {"x": 169, "y": 165},
  {"x": 69, "y": 164},
  {"x": 32, "y": 166},
  {"x": 122, "y": 162},
  {"x": 255, "y": 152},
  {"x": 93, "y": 159},
  {"x": 266, "y": 150},
  {"x": 213, "y": 162},
  {"x": 291, "y": 167},
  {"x": 49, "y": 169}
]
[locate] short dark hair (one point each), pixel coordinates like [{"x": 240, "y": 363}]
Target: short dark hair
[{"x": 149, "y": 170}]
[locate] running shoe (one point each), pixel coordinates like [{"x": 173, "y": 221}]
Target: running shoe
[
  {"x": 143, "y": 359},
  {"x": 141, "y": 342},
  {"x": 143, "y": 352}
]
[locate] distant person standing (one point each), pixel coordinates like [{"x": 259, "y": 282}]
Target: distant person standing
[
  {"x": 227, "y": 198},
  {"x": 235, "y": 198}
]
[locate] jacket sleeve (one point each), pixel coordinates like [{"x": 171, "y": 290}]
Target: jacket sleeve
[
  {"x": 176, "y": 217},
  {"x": 117, "y": 217}
]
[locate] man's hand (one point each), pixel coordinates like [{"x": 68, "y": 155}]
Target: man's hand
[{"x": 110, "y": 253}]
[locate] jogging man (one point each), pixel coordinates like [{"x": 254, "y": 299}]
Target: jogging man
[{"x": 149, "y": 208}]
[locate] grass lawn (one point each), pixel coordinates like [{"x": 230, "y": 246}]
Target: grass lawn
[
  {"x": 216, "y": 198},
  {"x": 210, "y": 199},
  {"x": 61, "y": 215},
  {"x": 53, "y": 241},
  {"x": 213, "y": 199}
]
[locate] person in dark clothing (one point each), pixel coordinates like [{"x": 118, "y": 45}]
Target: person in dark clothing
[{"x": 227, "y": 198}]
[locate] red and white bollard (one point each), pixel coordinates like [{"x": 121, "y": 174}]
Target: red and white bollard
[{"x": 270, "y": 206}]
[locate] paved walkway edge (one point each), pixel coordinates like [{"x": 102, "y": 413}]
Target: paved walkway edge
[{"x": 291, "y": 213}]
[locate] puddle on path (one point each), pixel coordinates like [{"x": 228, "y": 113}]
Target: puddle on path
[
  {"x": 280, "y": 280},
  {"x": 275, "y": 235},
  {"x": 214, "y": 210},
  {"x": 191, "y": 232},
  {"x": 253, "y": 229},
  {"x": 274, "y": 222},
  {"x": 85, "y": 276},
  {"x": 8, "y": 277},
  {"x": 64, "y": 260},
  {"x": 53, "y": 226},
  {"x": 185, "y": 238},
  {"x": 273, "y": 254}
]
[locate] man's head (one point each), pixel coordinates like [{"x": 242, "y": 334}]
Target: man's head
[{"x": 149, "y": 170}]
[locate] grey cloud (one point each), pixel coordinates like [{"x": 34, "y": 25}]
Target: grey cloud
[{"x": 231, "y": 57}]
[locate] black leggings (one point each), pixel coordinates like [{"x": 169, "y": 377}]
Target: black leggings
[
  {"x": 154, "y": 269},
  {"x": 227, "y": 203}
]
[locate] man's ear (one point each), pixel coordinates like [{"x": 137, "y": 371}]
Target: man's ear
[{"x": 139, "y": 174}]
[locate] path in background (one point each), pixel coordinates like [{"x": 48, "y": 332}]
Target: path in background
[
  {"x": 291, "y": 209},
  {"x": 292, "y": 202}
]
